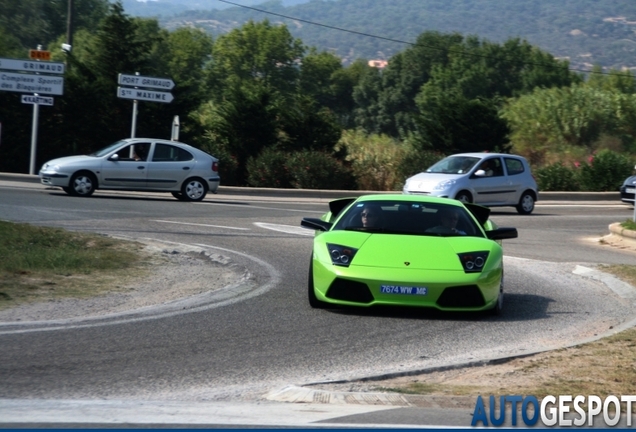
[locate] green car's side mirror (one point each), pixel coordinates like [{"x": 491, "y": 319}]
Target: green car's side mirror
[
  {"x": 316, "y": 224},
  {"x": 502, "y": 233}
]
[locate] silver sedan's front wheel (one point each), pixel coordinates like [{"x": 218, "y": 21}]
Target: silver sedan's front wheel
[
  {"x": 82, "y": 184},
  {"x": 194, "y": 190}
]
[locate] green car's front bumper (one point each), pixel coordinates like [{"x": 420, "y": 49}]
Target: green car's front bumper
[{"x": 372, "y": 286}]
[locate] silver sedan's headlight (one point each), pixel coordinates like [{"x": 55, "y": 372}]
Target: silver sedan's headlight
[
  {"x": 48, "y": 167},
  {"x": 446, "y": 184}
]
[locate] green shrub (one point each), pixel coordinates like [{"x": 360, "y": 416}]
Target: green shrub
[
  {"x": 605, "y": 171},
  {"x": 318, "y": 170},
  {"x": 375, "y": 160},
  {"x": 306, "y": 169},
  {"x": 228, "y": 164},
  {"x": 557, "y": 177},
  {"x": 268, "y": 169},
  {"x": 417, "y": 161}
]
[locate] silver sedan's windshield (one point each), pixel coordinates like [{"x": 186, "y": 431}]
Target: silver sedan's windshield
[
  {"x": 106, "y": 150},
  {"x": 454, "y": 165}
]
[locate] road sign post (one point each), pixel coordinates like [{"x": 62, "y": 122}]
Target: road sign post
[
  {"x": 137, "y": 87},
  {"x": 35, "y": 77},
  {"x": 174, "y": 136},
  {"x": 34, "y": 137}
]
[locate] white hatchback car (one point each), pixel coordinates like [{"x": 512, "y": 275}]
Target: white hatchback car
[
  {"x": 137, "y": 164},
  {"x": 488, "y": 179}
]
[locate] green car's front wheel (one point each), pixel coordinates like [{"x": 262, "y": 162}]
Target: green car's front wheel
[
  {"x": 497, "y": 310},
  {"x": 313, "y": 301}
]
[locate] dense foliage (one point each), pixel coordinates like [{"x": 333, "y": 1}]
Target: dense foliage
[{"x": 278, "y": 113}]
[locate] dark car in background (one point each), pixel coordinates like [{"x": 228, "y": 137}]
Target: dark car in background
[
  {"x": 137, "y": 164},
  {"x": 628, "y": 189}
]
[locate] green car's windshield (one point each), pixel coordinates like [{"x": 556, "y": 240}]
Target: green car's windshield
[
  {"x": 454, "y": 165},
  {"x": 408, "y": 217},
  {"x": 106, "y": 150}
]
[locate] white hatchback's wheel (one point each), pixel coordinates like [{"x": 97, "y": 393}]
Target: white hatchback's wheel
[
  {"x": 526, "y": 204},
  {"x": 193, "y": 189},
  {"x": 464, "y": 197}
]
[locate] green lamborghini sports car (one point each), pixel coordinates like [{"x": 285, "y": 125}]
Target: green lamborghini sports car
[{"x": 407, "y": 250}]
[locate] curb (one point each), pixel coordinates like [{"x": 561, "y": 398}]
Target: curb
[
  {"x": 334, "y": 194},
  {"x": 616, "y": 228}
]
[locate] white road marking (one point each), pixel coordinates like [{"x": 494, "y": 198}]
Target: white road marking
[
  {"x": 285, "y": 228},
  {"x": 203, "y": 225},
  {"x": 229, "y": 204}
]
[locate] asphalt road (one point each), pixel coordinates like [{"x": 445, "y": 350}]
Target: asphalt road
[{"x": 231, "y": 355}]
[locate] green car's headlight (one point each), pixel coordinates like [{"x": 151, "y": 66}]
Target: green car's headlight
[
  {"x": 473, "y": 261},
  {"x": 341, "y": 255}
]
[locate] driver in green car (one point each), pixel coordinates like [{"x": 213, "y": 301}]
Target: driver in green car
[{"x": 371, "y": 217}]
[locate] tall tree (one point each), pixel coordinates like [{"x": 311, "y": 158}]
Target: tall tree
[
  {"x": 567, "y": 118},
  {"x": 259, "y": 53},
  {"x": 449, "y": 122},
  {"x": 264, "y": 93},
  {"x": 35, "y": 22},
  {"x": 391, "y": 111}
]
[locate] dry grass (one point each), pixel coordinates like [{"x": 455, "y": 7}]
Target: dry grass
[{"x": 43, "y": 264}]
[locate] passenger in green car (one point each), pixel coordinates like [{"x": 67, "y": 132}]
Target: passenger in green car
[{"x": 448, "y": 218}]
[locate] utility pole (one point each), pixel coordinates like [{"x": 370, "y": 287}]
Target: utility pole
[
  {"x": 69, "y": 32},
  {"x": 69, "y": 23}
]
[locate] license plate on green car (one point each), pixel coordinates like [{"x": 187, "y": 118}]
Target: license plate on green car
[{"x": 403, "y": 290}]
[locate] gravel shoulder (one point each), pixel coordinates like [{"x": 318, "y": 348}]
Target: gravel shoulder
[{"x": 173, "y": 272}]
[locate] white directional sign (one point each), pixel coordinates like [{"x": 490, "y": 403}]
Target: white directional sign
[
  {"x": 145, "y": 95},
  {"x": 28, "y": 83},
  {"x": 39, "y": 100},
  {"x": 143, "y": 81},
  {"x": 44, "y": 67}
]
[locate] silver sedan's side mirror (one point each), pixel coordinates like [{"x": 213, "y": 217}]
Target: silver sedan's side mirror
[
  {"x": 480, "y": 173},
  {"x": 114, "y": 158}
]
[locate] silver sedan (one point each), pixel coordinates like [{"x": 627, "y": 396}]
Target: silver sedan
[{"x": 137, "y": 164}]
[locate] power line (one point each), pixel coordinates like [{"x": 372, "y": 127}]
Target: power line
[{"x": 397, "y": 40}]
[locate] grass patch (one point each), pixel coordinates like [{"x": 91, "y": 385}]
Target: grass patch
[
  {"x": 624, "y": 272},
  {"x": 629, "y": 224},
  {"x": 41, "y": 263}
]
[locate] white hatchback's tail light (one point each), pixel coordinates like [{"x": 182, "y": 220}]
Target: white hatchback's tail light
[{"x": 215, "y": 166}]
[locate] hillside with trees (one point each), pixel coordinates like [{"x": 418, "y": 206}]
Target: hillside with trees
[{"x": 586, "y": 32}]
